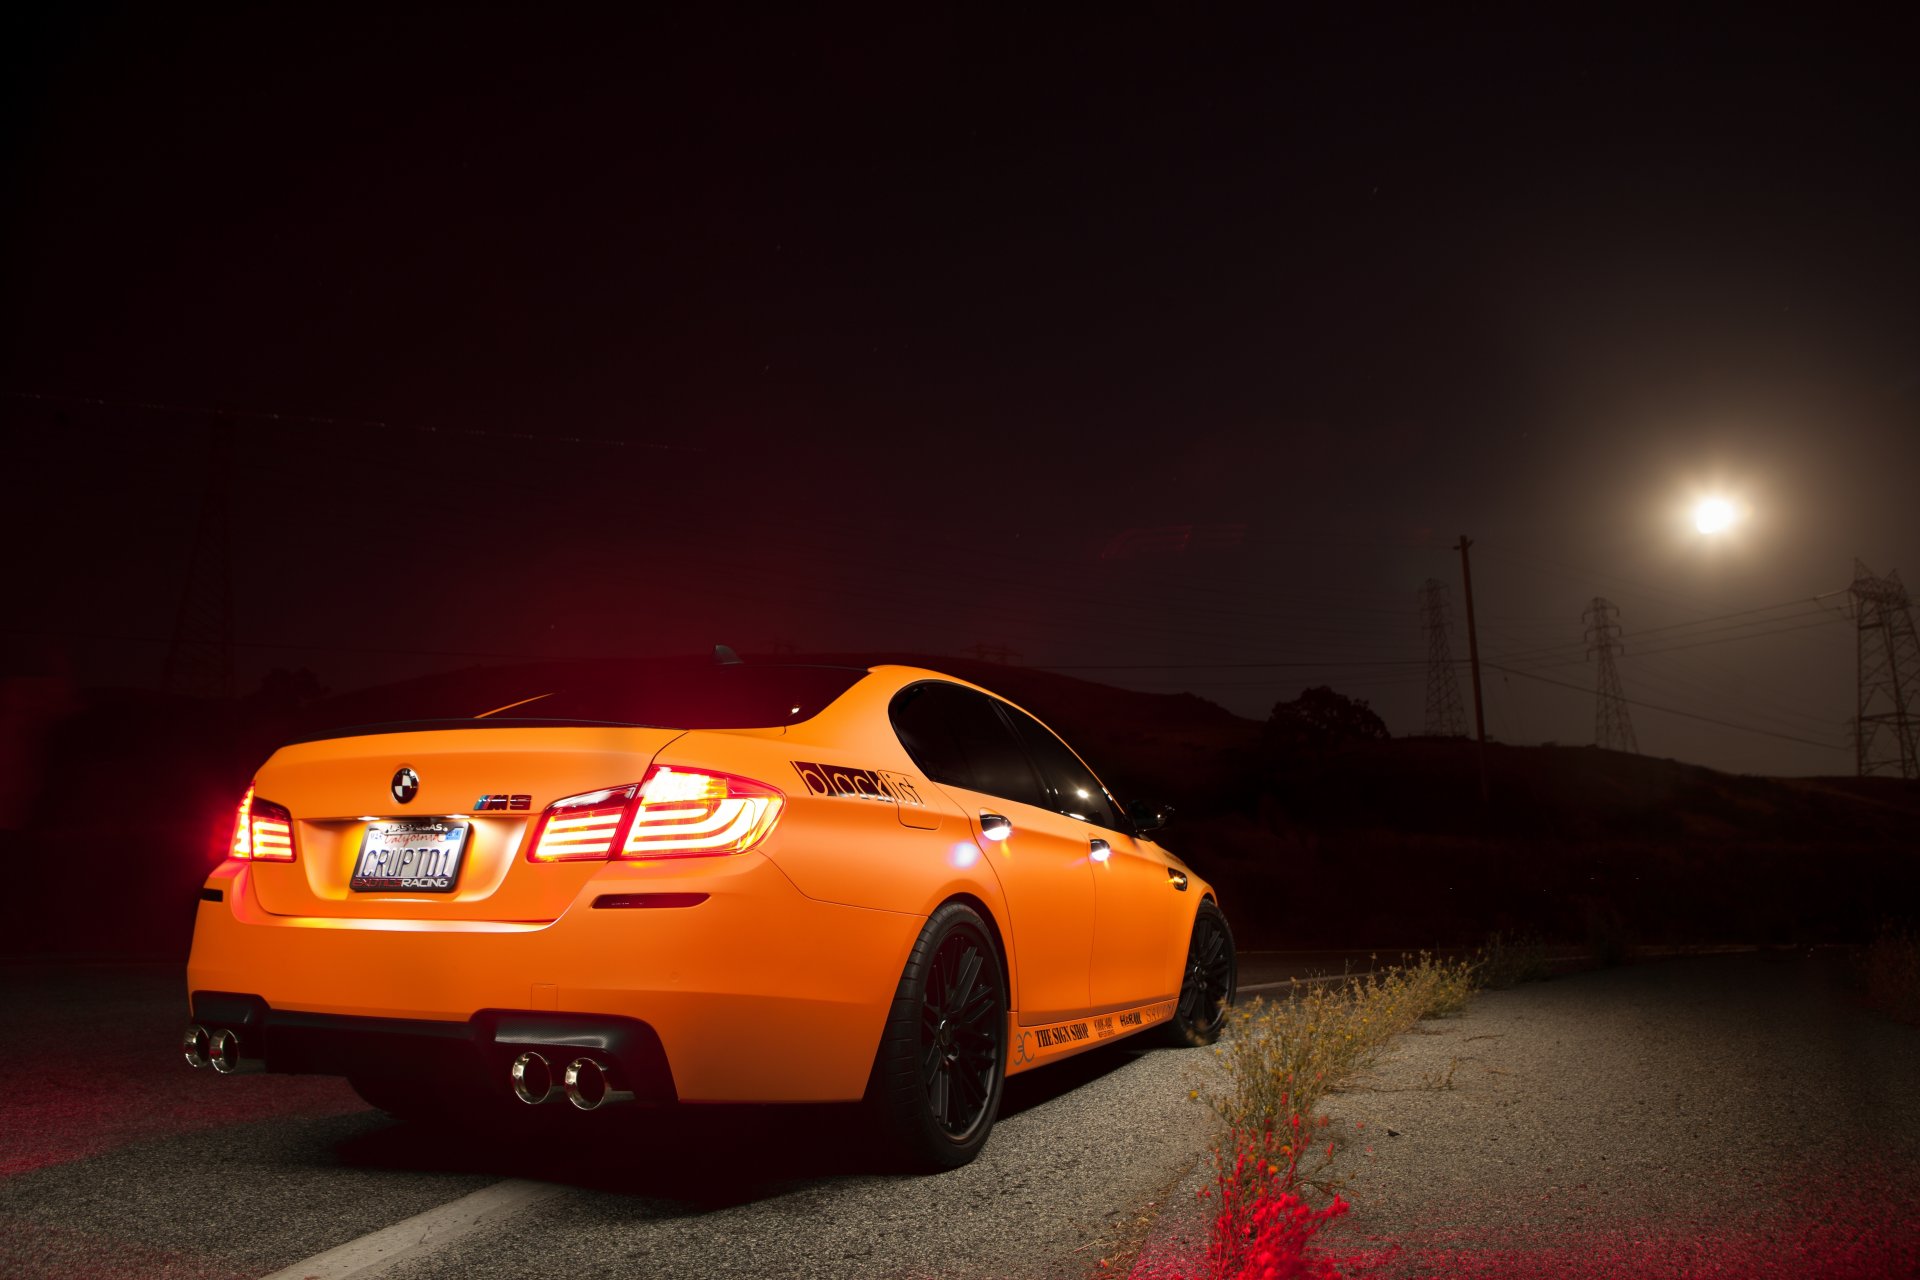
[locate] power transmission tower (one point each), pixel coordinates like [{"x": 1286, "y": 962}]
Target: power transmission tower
[
  {"x": 1889, "y": 665},
  {"x": 1445, "y": 716},
  {"x": 200, "y": 656},
  {"x": 1611, "y": 727}
]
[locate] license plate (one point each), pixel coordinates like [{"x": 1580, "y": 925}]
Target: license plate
[{"x": 421, "y": 856}]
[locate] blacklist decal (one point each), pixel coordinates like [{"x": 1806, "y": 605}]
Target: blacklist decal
[
  {"x": 1103, "y": 1028},
  {"x": 858, "y": 784},
  {"x": 1130, "y": 1019}
]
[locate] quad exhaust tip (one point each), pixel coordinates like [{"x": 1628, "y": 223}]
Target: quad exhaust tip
[
  {"x": 217, "y": 1049},
  {"x": 194, "y": 1046},
  {"x": 588, "y": 1087},
  {"x": 532, "y": 1078},
  {"x": 584, "y": 1083},
  {"x": 223, "y": 1052}
]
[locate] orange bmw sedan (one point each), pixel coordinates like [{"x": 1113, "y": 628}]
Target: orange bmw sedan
[{"x": 682, "y": 881}]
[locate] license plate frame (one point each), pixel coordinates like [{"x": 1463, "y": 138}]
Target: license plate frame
[{"x": 410, "y": 855}]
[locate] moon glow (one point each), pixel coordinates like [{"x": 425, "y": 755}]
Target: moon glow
[{"x": 1713, "y": 515}]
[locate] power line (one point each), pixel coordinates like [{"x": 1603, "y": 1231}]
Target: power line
[
  {"x": 1698, "y": 644},
  {"x": 1672, "y": 711},
  {"x": 323, "y": 647},
  {"x": 1221, "y": 666},
  {"x": 306, "y": 646},
  {"x": 1820, "y": 610},
  {"x": 1686, "y": 686},
  {"x": 1560, "y": 568},
  {"x": 200, "y": 653},
  {"x": 279, "y": 417}
]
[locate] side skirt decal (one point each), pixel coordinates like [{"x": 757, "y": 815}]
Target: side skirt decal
[{"x": 1029, "y": 1047}]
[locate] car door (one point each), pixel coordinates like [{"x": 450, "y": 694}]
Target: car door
[
  {"x": 1137, "y": 909},
  {"x": 961, "y": 739}
]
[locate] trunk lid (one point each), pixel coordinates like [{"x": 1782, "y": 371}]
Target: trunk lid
[{"x": 474, "y": 793}]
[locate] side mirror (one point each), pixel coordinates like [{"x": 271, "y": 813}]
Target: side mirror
[{"x": 1149, "y": 815}]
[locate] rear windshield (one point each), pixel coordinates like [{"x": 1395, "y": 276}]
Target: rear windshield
[{"x": 672, "y": 693}]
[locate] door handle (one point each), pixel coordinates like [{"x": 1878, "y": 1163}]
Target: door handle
[
  {"x": 1101, "y": 850},
  {"x": 995, "y": 826}
]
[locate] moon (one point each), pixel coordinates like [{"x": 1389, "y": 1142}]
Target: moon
[{"x": 1714, "y": 515}]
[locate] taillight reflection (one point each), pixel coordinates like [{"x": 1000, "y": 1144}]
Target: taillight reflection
[{"x": 672, "y": 813}]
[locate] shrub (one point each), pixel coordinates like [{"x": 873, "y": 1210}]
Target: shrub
[
  {"x": 1262, "y": 1229},
  {"x": 1282, "y": 1058},
  {"x": 1501, "y": 962}
]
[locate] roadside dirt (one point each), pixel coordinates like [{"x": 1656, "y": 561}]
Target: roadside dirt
[{"x": 1734, "y": 1116}]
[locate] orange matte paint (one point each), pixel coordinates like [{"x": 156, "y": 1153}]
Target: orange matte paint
[{"x": 775, "y": 985}]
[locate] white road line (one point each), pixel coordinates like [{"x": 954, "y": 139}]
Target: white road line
[{"x": 373, "y": 1254}]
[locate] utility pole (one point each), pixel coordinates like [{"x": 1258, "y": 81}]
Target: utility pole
[
  {"x": 1612, "y": 730},
  {"x": 1888, "y": 653},
  {"x": 1473, "y": 660}
]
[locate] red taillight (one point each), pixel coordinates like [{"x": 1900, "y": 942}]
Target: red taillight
[
  {"x": 581, "y": 828},
  {"x": 672, "y": 813},
  {"x": 683, "y": 812},
  {"x": 262, "y": 830}
]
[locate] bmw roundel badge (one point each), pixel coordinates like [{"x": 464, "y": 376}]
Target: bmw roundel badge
[{"x": 406, "y": 784}]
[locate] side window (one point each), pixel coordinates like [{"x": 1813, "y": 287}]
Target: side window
[
  {"x": 957, "y": 736},
  {"x": 1074, "y": 790}
]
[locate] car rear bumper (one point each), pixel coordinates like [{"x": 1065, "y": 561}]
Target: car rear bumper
[
  {"x": 753, "y": 993},
  {"x": 471, "y": 1058}
]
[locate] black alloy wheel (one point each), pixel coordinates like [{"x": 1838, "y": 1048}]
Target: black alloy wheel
[
  {"x": 943, "y": 1056},
  {"x": 1206, "y": 991}
]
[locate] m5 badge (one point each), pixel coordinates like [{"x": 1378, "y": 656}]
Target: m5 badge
[{"x": 502, "y": 803}]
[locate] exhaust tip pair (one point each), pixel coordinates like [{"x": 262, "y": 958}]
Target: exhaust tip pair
[
  {"x": 217, "y": 1049},
  {"x": 584, "y": 1083}
]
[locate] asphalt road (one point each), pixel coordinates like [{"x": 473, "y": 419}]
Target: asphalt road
[
  {"x": 118, "y": 1160},
  {"x": 1672, "y": 1115}
]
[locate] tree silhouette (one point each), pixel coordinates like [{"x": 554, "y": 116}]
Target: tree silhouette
[{"x": 1321, "y": 721}]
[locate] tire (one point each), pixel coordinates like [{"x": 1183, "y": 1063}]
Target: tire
[
  {"x": 1206, "y": 991},
  {"x": 942, "y": 1062}
]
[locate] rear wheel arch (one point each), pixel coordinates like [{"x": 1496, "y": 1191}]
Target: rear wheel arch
[
  {"x": 935, "y": 1090},
  {"x": 998, "y": 932}
]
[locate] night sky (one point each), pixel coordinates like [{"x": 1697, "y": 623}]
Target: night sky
[{"x": 1155, "y": 348}]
